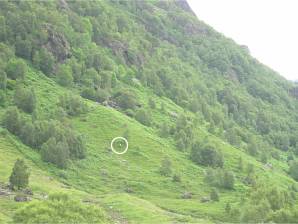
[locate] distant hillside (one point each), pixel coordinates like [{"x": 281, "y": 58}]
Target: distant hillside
[{"x": 212, "y": 132}]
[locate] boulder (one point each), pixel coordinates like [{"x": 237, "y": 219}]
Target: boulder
[
  {"x": 21, "y": 198},
  {"x": 205, "y": 199}
]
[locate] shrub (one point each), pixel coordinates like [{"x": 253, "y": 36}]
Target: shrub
[
  {"x": 166, "y": 167},
  {"x": 151, "y": 103},
  {"x": 143, "y": 117},
  {"x": 56, "y": 152},
  {"x": 25, "y": 99},
  {"x": 214, "y": 196},
  {"x": 3, "y": 79},
  {"x": 16, "y": 69},
  {"x": 12, "y": 120},
  {"x": 59, "y": 208},
  {"x": 64, "y": 76},
  {"x": 176, "y": 178},
  {"x": 44, "y": 60},
  {"x": 294, "y": 169},
  {"x": 126, "y": 99},
  {"x": 19, "y": 177},
  {"x": 220, "y": 178},
  {"x": 72, "y": 104},
  {"x": 206, "y": 154}
]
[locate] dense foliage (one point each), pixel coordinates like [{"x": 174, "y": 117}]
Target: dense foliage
[{"x": 114, "y": 53}]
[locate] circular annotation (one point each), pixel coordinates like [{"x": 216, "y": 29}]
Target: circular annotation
[{"x": 124, "y": 140}]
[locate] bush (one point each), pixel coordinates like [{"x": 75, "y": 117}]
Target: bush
[
  {"x": 55, "y": 152},
  {"x": 220, "y": 178},
  {"x": 143, "y": 117},
  {"x": 294, "y": 169},
  {"x": 19, "y": 177},
  {"x": 64, "y": 76},
  {"x": 214, "y": 196},
  {"x": 166, "y": 167},
  {"x": 44, "y": 60},
  {"x": 12, "y": 120},
  {"x": 72, "y": 104},
  {"x": 16, "y": 69},
  {"x": 59, "y": 208},
  {"x": 206, "y": 154},
  {"x": 25, "y": 99},
  {"x": 126, "y": 99},
  {"x": 3, "y": 79},
  {"x": 176, "y": 178}
]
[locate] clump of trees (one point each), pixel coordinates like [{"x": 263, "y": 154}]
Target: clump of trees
[
  {"x": 56, "y": 142},
  {"x": 220, "y": 178},
  {"x": 72, "y": 104},
  {"x": 19, "y": 177},
  {"x": 25, "y": 99},
  {"x": 207, "y": 154},
  {"x": 16, "y": 69}
]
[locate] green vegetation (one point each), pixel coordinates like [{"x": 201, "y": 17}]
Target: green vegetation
[
  {"x": 19, "y": 177},
  {"x": 202, "y": 117}
]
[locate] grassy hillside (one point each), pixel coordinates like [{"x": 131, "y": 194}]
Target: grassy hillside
[{"x": 202, "y": 118}]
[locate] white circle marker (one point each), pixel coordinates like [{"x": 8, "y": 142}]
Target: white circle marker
[{"x": 126, "y": 142}]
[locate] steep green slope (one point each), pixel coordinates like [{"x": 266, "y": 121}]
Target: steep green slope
[{"x": 187, "y": 99}]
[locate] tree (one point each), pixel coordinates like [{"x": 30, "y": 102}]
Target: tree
[
  {"x": 12, "y": 120},
  {"x": 72, "y": 104},
  {"x": 166, "y": 167},
  {"x": 206, "y": 154},
  {"x": 16, "y": 69},
  {"x": 64, "y": 76},
  {"x": 126, "y": 99},
  {"x": 143, "y": 117},
  {"x": 19, "y": 177},
  {"x": 294, "y": 169},
  {"x": 151, "y": 103},
  {"x": 3, "y": 79},
  {"x": 55, "y": 152},
  {"x": 44, "y": 60},
  {"x": 228, "y": 180},
  {"x": 25, "y": 99},
  {"x": 214, "y": 196}
]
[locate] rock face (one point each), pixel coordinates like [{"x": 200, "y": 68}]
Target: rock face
[{"x": 57, "y": 44}]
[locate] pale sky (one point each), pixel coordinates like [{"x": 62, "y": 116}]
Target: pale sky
[{"x": 268, "y": 27}]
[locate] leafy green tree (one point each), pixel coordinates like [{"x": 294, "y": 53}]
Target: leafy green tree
[
  {"x": 3, "y": 79},
  {"x": 228, "y": 180},
  {"x": 294, "y": 169},
  {"x": 64, "y": 76},
  {"x": 143, "y": 117},
  {"x": 19, "y": 177},
  {"x": 55, "y": 152},
  {"x": 214, "y": 196},
  {"x": 44, "y": 60},
  {"x": 25, "y": 99},
  {"x": 72, "y": 104},
  {"x": 16, "y": 69},
  {"x": 12, "y": 120},
  {"x": 166, "y": 167},
  {"x": 151, "y": 103},
  {"x": 23, "y": 48},
  {"x": 206, "y": 154},
  {"x": 2, "y": 98},
  {"x": 126, "y": 99}
]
